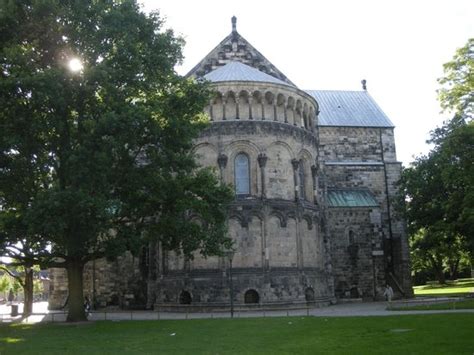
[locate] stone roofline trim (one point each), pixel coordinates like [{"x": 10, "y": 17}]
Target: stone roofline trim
[
  {"x": 221, "y": 43},
  {"x": 255, "y": 84},
  {"x": 349, "y": 126}
]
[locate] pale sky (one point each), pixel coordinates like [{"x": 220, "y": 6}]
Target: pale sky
[{"x": 399, "y": 47}]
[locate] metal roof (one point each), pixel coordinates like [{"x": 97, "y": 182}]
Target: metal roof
[
  {"x": 349, "y": 108},
  {"x": 237, "y": 71},
  {"x": 351, "y": 198}
]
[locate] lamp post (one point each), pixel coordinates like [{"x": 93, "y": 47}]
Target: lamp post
[{"x": 230, "y": 255}]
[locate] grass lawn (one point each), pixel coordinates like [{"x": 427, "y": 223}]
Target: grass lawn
[
  {"x": 466, "y": 304},
  {"x": 404, "y": 334},
  {"x": 452, "y": 288}
]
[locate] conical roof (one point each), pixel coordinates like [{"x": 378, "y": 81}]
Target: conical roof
[{"x": 237, "y": 71}]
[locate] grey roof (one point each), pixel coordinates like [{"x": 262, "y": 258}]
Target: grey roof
[
  {"x": 236, "y": 71},
  {"x": 349, "y": 108},
  {"x": 351, "y": 198}
]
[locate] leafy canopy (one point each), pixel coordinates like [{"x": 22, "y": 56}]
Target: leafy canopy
[{"x": 96, "y": 135}]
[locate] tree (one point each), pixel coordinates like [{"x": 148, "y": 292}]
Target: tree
[
  {"x": 456, "y": 95},
  {"x": 439, "y": 187},
  {"x": 96, "y": 137}
]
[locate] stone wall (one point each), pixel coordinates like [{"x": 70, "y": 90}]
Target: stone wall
[{"x": 357, "y": 252}]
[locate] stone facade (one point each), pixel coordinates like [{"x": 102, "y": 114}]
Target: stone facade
[{"x": 293, "y": 244}]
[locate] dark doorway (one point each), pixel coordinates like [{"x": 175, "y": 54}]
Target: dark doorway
[
  {"x": 185, "y": 297},
  {"x": 309, "y": 294},
  {"x": 251, "y": 296}
]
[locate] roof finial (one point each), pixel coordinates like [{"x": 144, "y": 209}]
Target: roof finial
[
  {"x": 364, "y": 84},
  {"x": 234, "y": 24}
]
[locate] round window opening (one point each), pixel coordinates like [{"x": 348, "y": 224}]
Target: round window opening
[
  {"x": 185, "y": 298},
  {"x": 251, "y": 296}
]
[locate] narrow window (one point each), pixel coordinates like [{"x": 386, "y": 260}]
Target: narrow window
[
  {"x": 242, "y": 174},
  {"x": 302, "y": 181}
]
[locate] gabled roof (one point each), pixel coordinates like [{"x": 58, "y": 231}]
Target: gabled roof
[
  {"x": 349, "y": 108},
  {"x": 236, "y": 48},
  {"x": 351, "y": 198},
  {"x": 236, "y": 71}
]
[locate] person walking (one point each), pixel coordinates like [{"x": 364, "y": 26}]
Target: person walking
[{"x": 388, "y": 293}]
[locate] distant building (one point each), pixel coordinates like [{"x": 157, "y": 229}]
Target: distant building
[{"x": 315, "y": 176}]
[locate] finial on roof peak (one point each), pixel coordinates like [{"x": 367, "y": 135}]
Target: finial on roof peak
[
  {"x": 364, "y": 84},
  {"x": 234, "y": 24}
]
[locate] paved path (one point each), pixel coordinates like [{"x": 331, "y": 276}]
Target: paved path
[{"x": 340, "y": 310}]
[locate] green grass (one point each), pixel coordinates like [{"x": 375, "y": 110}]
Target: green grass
[
  {"x": 466, "y": 304},
  {"x": 452, "y": 288},
  {"x": 404, "y": 334}
]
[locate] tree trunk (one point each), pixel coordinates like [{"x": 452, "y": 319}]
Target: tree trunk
[
  {"x": 437, "y": 264},
  {"x": 76, "y": 311},
  {"x": 28, "y": 292}
]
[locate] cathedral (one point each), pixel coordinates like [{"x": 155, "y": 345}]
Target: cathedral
[{"x": 313, "y": 221}]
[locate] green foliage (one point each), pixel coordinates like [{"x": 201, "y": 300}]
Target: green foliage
[
  {"x": 457, "y": 92},
  {"x": 407, "y": 334},
  {"x": 439, "y": 187},
  {"x": 97, "y": 161}
]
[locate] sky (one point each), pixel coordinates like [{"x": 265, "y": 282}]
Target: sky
[{"x": 399, "y": 47}]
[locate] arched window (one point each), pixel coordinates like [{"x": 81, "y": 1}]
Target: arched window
[
  {"x": 251, "y": 296},
  {"x": 185, "y": 297},
  {"x": 351, "y": 237},
  {"x": 302, "y": 181},
  {"x": 242, "y": 174}
]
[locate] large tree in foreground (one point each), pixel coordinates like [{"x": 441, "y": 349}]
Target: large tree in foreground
[
  {"x": 440, "y": 185},
  {"x": 96, "y": 137}
]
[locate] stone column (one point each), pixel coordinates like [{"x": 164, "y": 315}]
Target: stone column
[
  {"x": 222, "y": 162},
  {"x": 250, "y": 107},
  {"x": 262, "y": 161},
  {"x": 314, "y": 174},
  {"x": 295, "y": 163},
  {"x": 211, "y": 110},
  {"x": 237, "y": 115}
]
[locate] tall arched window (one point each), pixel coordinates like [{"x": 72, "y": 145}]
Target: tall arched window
[
  {"x": 302, "y": 181},
  {"x": 242, "y": 174}
]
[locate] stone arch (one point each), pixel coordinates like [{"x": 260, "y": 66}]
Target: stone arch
[
  {"x": 243, "y": 222},
  {"x": 299, "y": 114},
  {"x": 206, "y": 154},
  {"x": 304, "y": 171},
  {"x": 280, "y": 108},
  {"x": 312, "y": 118},
  {"x": 290, "y": 111},
  {"x": 281, "y": 217},
  {"x": 217, "y": 109},
  {"x": 251, "y": 297},
  {"x": 185, "y": 297},
  {"x": 351, "y": 235},
  {"x": 230, "y": 108},
  {"x": 244, "y": 105},
  {"x": 257, "y": 105},
  {"x": 306, "y": 116},
  {"x": 268, "y": 107},
  {"x": 309, "y": 221},
  {"x": 279, "y": 177}
]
